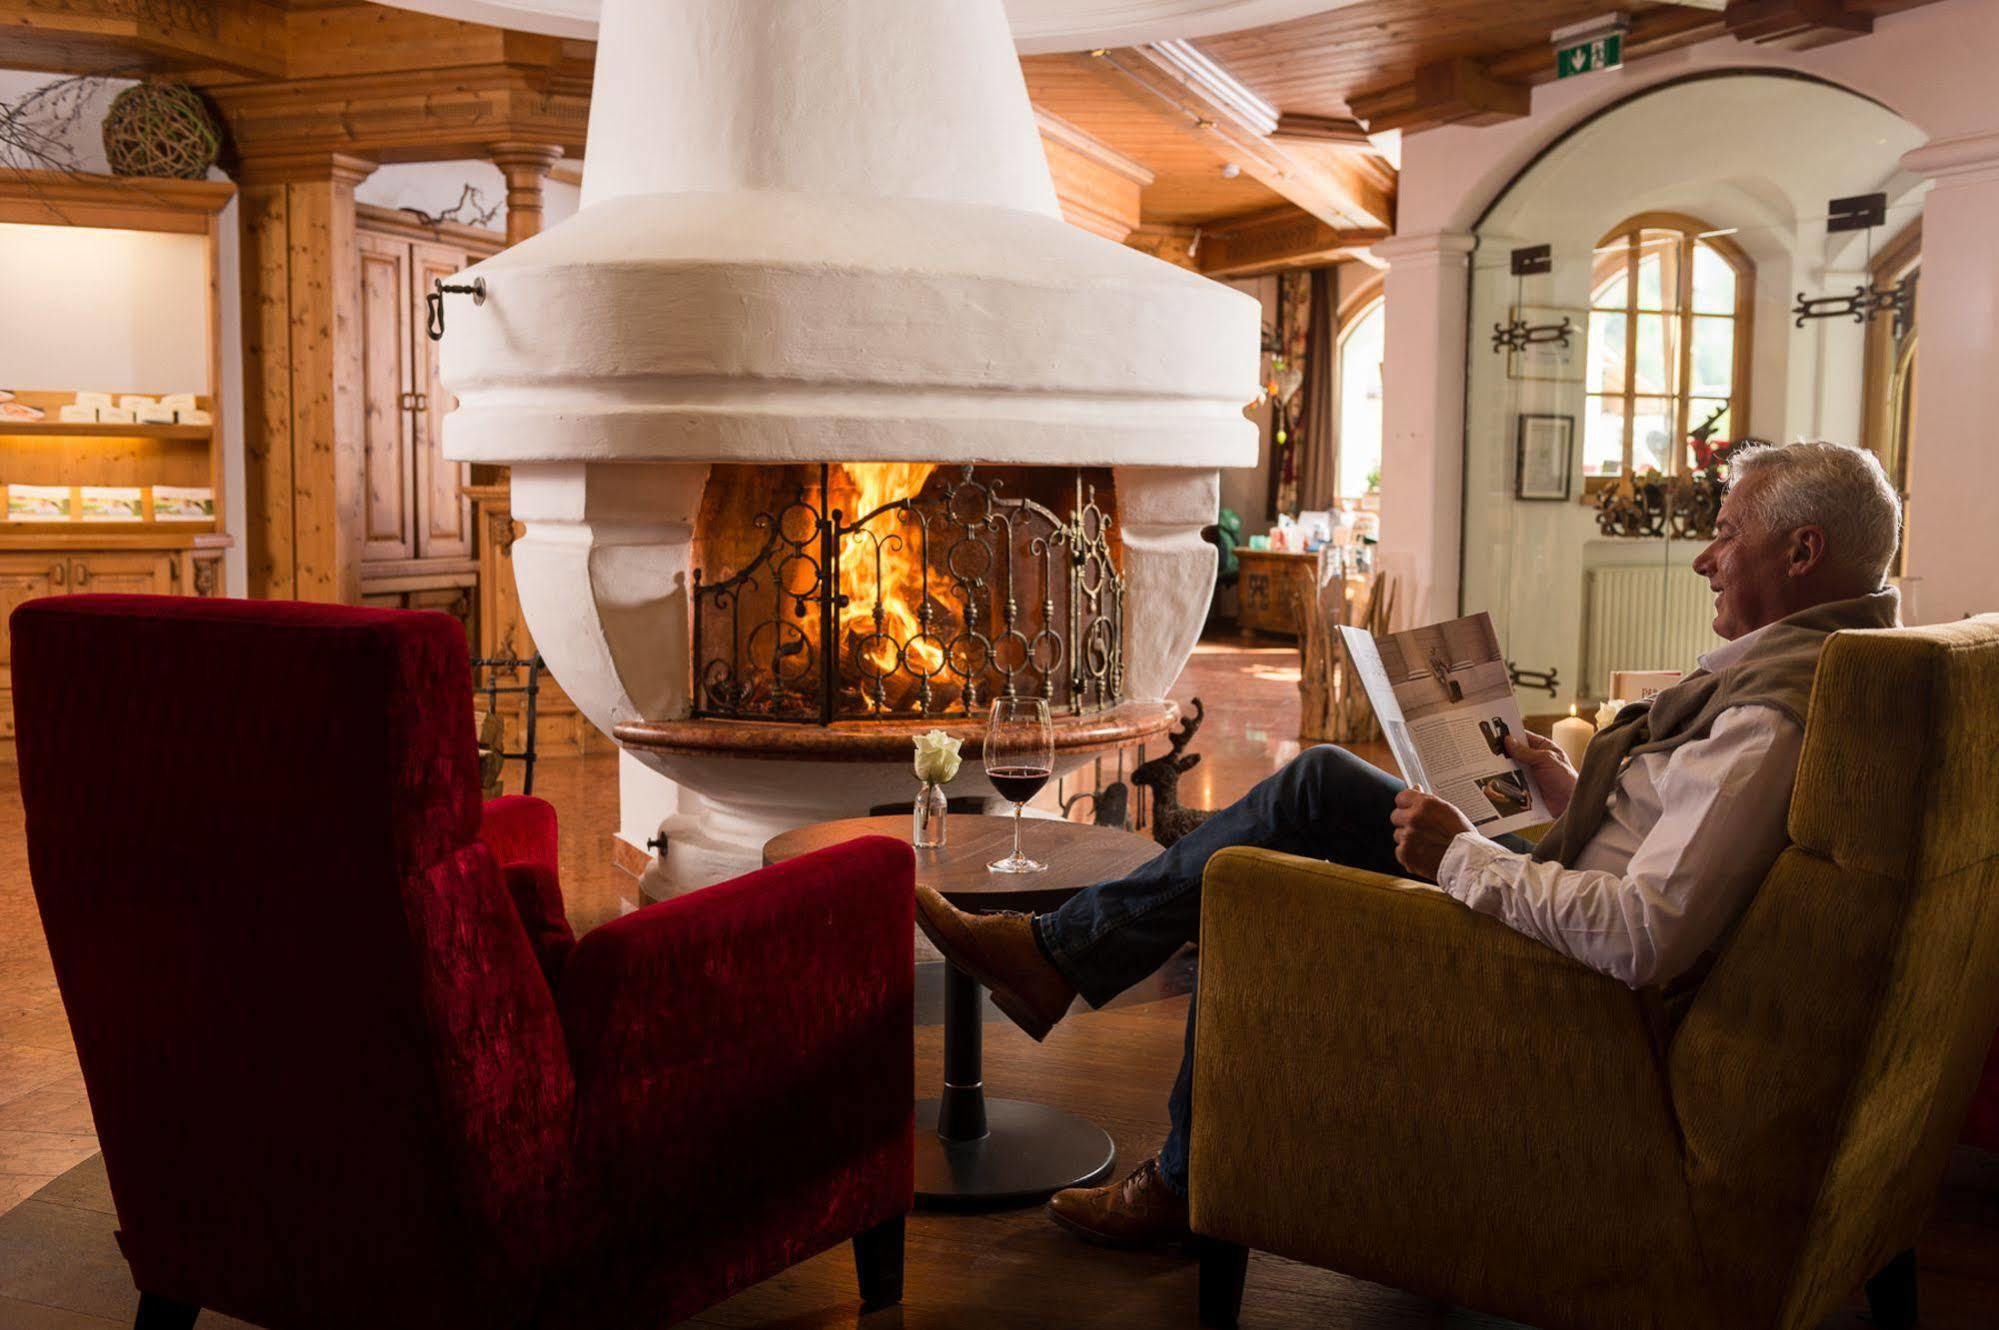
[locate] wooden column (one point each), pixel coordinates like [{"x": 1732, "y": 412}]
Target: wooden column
[
  {"x": 525, "y": 166},
  {"x": 301, "y": 375}
]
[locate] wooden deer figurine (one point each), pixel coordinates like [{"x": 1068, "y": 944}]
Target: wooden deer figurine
[{"x": 1161, "y": 775}]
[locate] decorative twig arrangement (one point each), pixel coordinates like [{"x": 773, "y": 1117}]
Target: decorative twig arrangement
[
  {"x": 1332, "y": 704},
  {"x": 38, "y": 128},
  {"x": 471, "y": 197}
]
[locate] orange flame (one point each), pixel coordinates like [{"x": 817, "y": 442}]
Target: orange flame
[{"x": 897, "y": 591}]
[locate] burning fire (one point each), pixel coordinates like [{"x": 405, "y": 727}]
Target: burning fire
[{"x": 900, "y": 587}]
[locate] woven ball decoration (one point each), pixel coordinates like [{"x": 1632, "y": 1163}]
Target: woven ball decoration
[{"x": 161, "y": 129}]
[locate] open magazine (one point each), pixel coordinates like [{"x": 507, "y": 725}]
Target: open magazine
[{"x": 1445, "y": 701}]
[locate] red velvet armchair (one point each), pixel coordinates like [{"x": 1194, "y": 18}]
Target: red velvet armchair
[{"x": 349, "y": 1067}]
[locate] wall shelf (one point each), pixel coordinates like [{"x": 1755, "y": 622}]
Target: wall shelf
[{"x": 58, "y": 430}]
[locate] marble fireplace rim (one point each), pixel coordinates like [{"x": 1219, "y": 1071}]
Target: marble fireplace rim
[{"x": 882, "y": 740}]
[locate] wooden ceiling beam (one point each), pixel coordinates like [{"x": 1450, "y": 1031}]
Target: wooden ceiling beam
[
  {"x": 1202, "y": 99},
  {"x": 120, "y": 38},
  {"x": 1098, "y": 187},
  {"x": 414, "y": 115},
  {"x": 1273, "y": 241},
  {"x": 1797, "y": 25},
  {"x": 1458, "y": 91},
  {"x": 1337, "y": 131}
]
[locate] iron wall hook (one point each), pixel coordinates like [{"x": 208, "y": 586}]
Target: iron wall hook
[{"x": 434, "y": 323}]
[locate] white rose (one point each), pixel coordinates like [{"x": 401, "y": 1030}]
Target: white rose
[
  {"x": 1608, "y": 711},
  {"x": 937, "y": 759}
]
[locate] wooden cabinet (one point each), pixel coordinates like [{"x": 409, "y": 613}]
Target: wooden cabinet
[
  {"x": 1272, "y": 586},
  {"x": 417, "y": 548},
  {"x": 139, "y": 553},
  {"x": 188, "y": 565},
  {"x": 136, "y": 574}
]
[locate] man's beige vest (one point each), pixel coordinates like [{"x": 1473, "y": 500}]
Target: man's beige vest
[{"x": 1776, "y": 671}]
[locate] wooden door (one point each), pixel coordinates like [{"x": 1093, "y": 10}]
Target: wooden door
[
  {"x": 140, "y": 574},
  {"x": 388, "y": 500},
  {"x": 444, "y": 513}
]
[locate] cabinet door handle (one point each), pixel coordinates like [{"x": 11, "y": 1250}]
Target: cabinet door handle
[
  {"x": 59, "y": 575},
  {"x": 406, "y": 401},
  {"x": 82, "y": 575},
  {"x": 423, "y": 401}
]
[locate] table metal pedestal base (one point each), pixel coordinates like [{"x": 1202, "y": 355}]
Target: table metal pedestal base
[
  {"x": 1029, "y": 1153},
  {"x": 975, "y": 1153}
]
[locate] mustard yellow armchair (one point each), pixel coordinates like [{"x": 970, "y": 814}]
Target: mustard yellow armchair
[{"x": 1391, "y": 1086}]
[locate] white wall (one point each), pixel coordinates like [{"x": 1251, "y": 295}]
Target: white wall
[
  {"x": 1932, "y": 67},
  {"x": 116, "y": 311},
  {"x": 434, "y": 187},
  {"x": 1760, "y": 156}
]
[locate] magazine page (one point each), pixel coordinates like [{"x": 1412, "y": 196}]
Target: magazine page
[{"x": 1445, "y": 701}]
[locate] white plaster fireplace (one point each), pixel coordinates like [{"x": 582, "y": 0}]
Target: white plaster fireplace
[{"x": 822, "y": 233}]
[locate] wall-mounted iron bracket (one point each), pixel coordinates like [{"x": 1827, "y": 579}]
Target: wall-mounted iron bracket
[{"x": 434, "y": 323}]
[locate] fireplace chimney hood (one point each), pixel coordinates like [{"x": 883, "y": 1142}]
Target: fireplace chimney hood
[
  {"x": 824, "y": 230},
  {"x": 821, "y": 231}
]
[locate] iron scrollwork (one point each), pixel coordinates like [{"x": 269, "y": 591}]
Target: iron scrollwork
[{"x": 975, "y": 595}]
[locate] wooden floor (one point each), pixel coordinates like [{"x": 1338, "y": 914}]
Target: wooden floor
[{"x": 60, "y": 1270}]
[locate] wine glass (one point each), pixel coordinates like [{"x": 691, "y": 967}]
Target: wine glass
[{"x": 1020, "y": 754}]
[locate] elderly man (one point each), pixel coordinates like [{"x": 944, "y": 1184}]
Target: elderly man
[{"x": 1678, "y": 811}]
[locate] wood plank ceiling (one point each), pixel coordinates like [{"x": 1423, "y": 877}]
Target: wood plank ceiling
[{"x": 1250, "y": 137}]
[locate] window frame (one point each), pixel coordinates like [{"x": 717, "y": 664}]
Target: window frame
[
  {"x": 1358, "y": 304},
  {"x": 1692, "y": 231}
]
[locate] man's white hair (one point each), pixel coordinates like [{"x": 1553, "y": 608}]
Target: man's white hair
[{"x": 1841, "y": 490}]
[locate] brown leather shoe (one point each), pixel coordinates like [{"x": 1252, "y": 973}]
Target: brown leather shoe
[
  {"x": 1141, "y": 1211},
  {"x": 1000, "y": 952}
]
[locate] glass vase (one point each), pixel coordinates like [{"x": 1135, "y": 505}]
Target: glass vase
[{"x": 927, "y": 820}]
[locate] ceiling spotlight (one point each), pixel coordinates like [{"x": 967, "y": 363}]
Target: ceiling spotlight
[{"x": 1231, "y": 171}]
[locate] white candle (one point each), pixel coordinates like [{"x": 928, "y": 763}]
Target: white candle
[{"x": 1572, "y": 735}]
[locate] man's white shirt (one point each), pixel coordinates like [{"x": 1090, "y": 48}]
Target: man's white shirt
[{"x": 1688, "y": 835}]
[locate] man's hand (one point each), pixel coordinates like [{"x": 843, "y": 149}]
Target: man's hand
[
  {"x": 1549, "y": 765},
  {"x": 1425, "y": 826}
]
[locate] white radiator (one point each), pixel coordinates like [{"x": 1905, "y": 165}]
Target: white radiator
[{"x": 1643, "y": 618}]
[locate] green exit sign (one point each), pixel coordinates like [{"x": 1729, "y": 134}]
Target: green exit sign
[{"x": 1586, "y": 57}]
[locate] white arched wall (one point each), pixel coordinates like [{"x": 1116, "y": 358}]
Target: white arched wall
[
  {"x": 1755, "y": 154},
  {"x": 1931, "y": 66}
]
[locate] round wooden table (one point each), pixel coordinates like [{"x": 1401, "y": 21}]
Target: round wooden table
[{"x": 973, "y": 1152}]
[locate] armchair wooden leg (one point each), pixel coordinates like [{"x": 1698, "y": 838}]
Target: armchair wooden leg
[
  {"x": 1224, "y": 1267},
  {"x": 158, "y": 1313},
  {"x": 878, "y": 1262},
  {"x": 1891, "y": 1295}
]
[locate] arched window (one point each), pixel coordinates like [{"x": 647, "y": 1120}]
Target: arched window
[
  {"x": 1360, "y": 344},
  {"x": 1670, "y": 301}
]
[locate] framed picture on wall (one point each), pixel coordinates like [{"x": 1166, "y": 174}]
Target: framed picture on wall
[
  {"x": 1549, "y": 362},
  {"x": 1543, "y": 451}
]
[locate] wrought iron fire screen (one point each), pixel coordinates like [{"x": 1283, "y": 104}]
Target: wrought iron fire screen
[{"x": 960, "y": 595}]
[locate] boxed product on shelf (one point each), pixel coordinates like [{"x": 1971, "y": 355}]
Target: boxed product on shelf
[
  {"x": 179, "y": 401},
  {"x": 38, "y": 503},
  {"x": 73, "y": 414},
  {"x": 154, "y": 415},
  {"x": 133, "y": 401},
  {"x": 111, "y": 503},
  {"x": 95, "y": 401},
  {"x": 118, "y": 415},
  {"x": 183, "y": 503}
]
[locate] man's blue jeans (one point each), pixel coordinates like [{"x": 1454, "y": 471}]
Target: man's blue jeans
[{"x": 1325, "y": 803}]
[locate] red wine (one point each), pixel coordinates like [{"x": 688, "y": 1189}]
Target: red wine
[{"x": 1017, "y": 784}]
